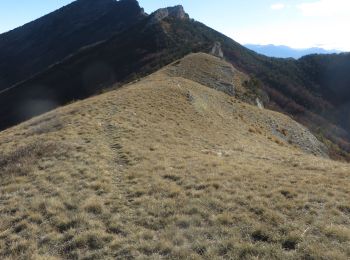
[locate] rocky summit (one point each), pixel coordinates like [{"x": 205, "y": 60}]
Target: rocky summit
[{"x": 176, "y": 12}]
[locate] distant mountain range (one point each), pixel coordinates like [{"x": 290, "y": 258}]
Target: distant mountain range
[{"x": 281, "y": 51}]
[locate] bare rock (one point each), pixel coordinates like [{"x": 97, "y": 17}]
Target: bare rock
[
  {"x": 217, "y": 51},
  {"x": 259, "y": 103},
  {"x": 176, "y": 12}
]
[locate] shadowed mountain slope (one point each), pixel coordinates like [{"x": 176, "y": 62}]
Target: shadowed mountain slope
[
  {"x": 31, "y": 48},
  {"x": 140, "y": 50},
  {"x": 169, "y": 168}
]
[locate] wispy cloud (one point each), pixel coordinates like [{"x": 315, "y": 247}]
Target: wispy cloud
[
  {"x": 325, "y": 8},
  {"x": 277, "y": 6}
]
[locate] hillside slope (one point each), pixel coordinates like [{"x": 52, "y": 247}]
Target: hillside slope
[
  {"x": 130, "y": 54},
  {"x": 296, "y": 88},
  {"x": 168, "y": 168}
]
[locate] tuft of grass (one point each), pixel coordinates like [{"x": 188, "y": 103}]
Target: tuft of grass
[
  {"x": 291, "y": 242},
  {"x": 261, "y": 235},
  {"x": 338, "y": 232},
  {"x": 288, "y": 194},
  {"x": 345, "y": 208},
  {"x": 90, "y": 239},
  {"x": 93, "y": 205}
]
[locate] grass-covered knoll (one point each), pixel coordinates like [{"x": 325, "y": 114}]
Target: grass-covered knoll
[{"x": 167, "y": 168}]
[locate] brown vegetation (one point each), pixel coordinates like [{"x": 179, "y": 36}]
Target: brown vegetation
[{"x": 145, "y": 172}]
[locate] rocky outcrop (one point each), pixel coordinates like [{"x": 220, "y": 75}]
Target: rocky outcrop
[
  {"x": 259, "y": 103},
  {"x": 217, "y": 51},
  {"x": 296, "y": 134},
  {"x": 176, "y": 12}
]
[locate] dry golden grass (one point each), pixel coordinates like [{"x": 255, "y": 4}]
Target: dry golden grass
[{"x": 168, "y": 169}]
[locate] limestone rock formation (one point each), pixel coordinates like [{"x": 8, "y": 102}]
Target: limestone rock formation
[
  {"x": 259, "y": 103},
  {"x": 176, "y": 12},
  {"x": 217, "y": 51}
]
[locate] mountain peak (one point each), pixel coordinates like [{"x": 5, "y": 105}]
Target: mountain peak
[
  {"x": 177, "y": 12},
  {"x": 107, "y": 1},
  {"x": 133, "y": 4}
]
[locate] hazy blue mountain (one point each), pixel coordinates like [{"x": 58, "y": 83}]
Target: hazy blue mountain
[{"x": 282, "y": 51}]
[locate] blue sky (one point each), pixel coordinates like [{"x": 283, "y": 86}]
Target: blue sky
[{"x": 296, "y": 23}]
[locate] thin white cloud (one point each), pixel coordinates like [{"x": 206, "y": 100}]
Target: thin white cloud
[
  {"x": 277, "y": 6},
  {"x": 325, "y": 8},
  {"x": 328, "y": 34}
]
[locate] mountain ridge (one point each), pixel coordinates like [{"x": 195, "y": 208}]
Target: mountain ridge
[
  {"x": 291, "y": 87},
  {"x": 169, "y": 140},
  {"x": 166, "y": 167}
]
